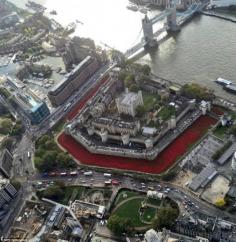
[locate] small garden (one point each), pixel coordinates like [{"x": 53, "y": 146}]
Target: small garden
[{"x": 133, "y": 211}]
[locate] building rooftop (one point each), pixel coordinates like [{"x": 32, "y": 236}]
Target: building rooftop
[
  {"x": 149, "y": 130},
  {"x": 115, "y": 122},
  {"x": 128, "y": 98},
  {"x": 205, "y": 176},
  {"x": 29, "y": 100},
  {"x": 227, "y": 154},
  {"x": 71, "y": 74}
]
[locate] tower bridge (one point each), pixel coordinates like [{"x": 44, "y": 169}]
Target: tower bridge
[{"x": 174, "y": 21}]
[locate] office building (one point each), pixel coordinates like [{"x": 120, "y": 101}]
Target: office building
[
  {"x": 6, "y": 160},
  {"x": 32, "y": 106},
  {"x": 7, "y": 192},
  {"x": 73, "y": 81}
]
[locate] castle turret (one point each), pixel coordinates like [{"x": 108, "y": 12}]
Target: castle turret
[
  {"x": 172, "y": 122},
  {"x": 125, "y": 139},
  {"x": 223, "y": 120},
  {"x": 104, "y": 135},
  {"x": 148, "y": 143},
  {"x": 68, "y": 129},
  {"x": 192, "y": 103},
  {"x": 90, "y": 130},
  {"x": 203, "y": 107}
]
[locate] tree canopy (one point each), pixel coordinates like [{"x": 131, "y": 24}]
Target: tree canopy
[
  {"x": 198, "y": 92},
  {"x": 166, "y": 218},
  {"x": 49, "y": 157},
  {"x": 119, "y": 225}
]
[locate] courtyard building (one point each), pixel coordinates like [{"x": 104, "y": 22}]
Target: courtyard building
[{"x": 128, "y": 102}]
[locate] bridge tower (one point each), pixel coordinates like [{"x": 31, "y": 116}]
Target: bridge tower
[
  {"x": 148, "y": 32},
  {"x": 171, "y": 19}
]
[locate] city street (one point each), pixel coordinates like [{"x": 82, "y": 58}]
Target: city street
[
  {"x": 23, "y": 164},
  {"x": 177, "y": 193}
]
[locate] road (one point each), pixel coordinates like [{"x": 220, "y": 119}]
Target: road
[
  {"x": 22, "y": 164},
  {"x": 175, "y": 192}
]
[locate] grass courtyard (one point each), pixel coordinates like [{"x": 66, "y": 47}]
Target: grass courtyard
[
  {"x": 138, "y": 207},
  {"x": 150, "y": 101}
]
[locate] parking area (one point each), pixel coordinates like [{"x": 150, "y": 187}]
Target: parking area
[{"x": 216, "y": 190}]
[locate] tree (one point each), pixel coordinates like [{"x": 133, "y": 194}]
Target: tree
[
  {"x": 7, "y": 143},
  {"x": 169, "y": 175},
  {"x": 129, "y": 80},
  {"x": 53, "y": 192},
  {"x": 50, "y": 144},
  {"x": 5, "y": 126},
  {"x": 18, "y": 128},
  {"x": 133, "y": 88},
  {"x": 4, "y": 92},
  {"x": 50, "y": 156},
  {"x": 140, "y": 110},
  {"x": 146, "y": 69},
  {"x": 64, "y": 160},
  {"x": 38, "y": 161},
  {"x": 39, "y": 152},
  {"x": 166, "y": 218},
  {"x": 47, "y": 162},
  {"x": 122, "y": 75},
  {"x": 220, "y": 202},
  {"x": 119, "y": 225},
  {"x": 198, "y": 92},
  {"x": 42, "y": 140}
]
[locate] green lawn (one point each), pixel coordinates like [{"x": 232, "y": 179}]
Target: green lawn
[
  {"x": 220, "y": 131},
  {"x": 124, "y": 195},
  {"x": 166, "y": 112},
  {"x": 130, "y": 210},
  {"x": 154, "y": 202},
  {"x": 149, "y": 214},
  {"x": 233, "y": 115},
  {"x": 150, "y": 100}
]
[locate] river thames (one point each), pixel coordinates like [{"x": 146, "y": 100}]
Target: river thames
[{"x": 202, "y": 51}]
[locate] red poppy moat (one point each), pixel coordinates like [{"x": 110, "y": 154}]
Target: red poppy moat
[{"x": 163, "y": 161}]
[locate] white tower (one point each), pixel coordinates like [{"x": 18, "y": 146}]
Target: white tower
[
  {"x": 223, "y": 120},
  {"x": 90, "y": 131},
  {"x": 233, "y": 163}
]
